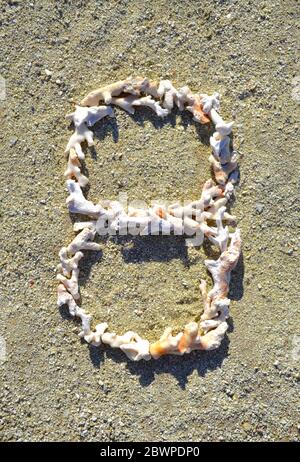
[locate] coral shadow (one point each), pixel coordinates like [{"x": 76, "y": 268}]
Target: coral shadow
[
  {"x": 86, "y": 264},
  {"x": 236, "y": 286},
  {"x": 109, "y": 126},
  {"x": 137, "y": 249},
  {"x": 106, "y": 127},
  {"x": 181, "y": 367},
  {"x": 150, "y": 248}
]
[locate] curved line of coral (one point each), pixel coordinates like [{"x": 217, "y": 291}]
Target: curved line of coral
[{"x": 189, "y": 220}]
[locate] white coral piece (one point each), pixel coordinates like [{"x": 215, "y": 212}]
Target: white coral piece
[
  {"x": 95, "y": 337},
  {"x": 167, "y": 344},
  {"x": 210, "y": 102},
  {"x": 168, "y": 93},
  {"x": 221, "y": 147},
  {"x": 224, "y": 128},
  {"x": 212, "y": 210},
  {"x": 89, "y": 115},
  {"x": 80, "y": 225},
  {"x": 125, "y": 103},
  {"x": 222, "y": 171},
  {"x": 65, "y": 298},
  {"x": 214, "y": 337},
  {"x": 85, "y": 117},
  {"x": 222, "y": 308},
  {"x": 73, "y": 169},
  {"x": 133, "y": 86},
  {"x": 71, "y": 284},
  {"x": 67, "y": 265},
  {"x": 129, "y": 102},
  {"x": 77, "y": 203},
  {"x": 221, "y": 271},
  {"x": 148, "y": 101},
  {"x": 184, "y": 96},
  {"x": 137, "y": 349},
  {"x": 70, "y": 272},
  {"x": 115, "y": 341},
  {"x": 83, "y": 242},
  {"x": 221, "y": 238}
]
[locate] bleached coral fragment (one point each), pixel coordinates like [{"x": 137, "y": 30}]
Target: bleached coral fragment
[
  {"x": 224, "y": 128},
  {"x": 95, "y": 337},
  {"x": 115, "y": 341},
  {"x": 125, "y": 102},
  {"x": 222, "y": 171},
  {"x": 179, "y": 225},
  {"x": 195, "y": 209},
  {"x": 221, "y": 147},
  {"x": 137, "y": 349},
  {"x": 221, "y": 238},
  {"x": 77, "y": 203},
  {"x": 151, "y": 88},
  {"x": 83, "y": 242},
  {"x": 210, "y": 191},
  {"x": 213, "y": 338},
  {"x": 190, "y": 338},
  {"x": 131, "y": 85},
  {"x": 78, "y": 137},
  {"x": 167, "y": 344},
  {"x": 148, "y": 101},
  {"x": 221, "y": 268},
  {"x": 221, "y": 271},
  {"x": 222, "y": 310},
  {"x": 65, "y": 298},
  {"x": 73, "y": 169},
  {"x": 67, "y": 265},
  {"x": 89, "y": 115},
  {"x": 70, "y": 271},
  {"x": 228, "y": 190},
  {"x": 80, "y": 225},
  {"x": 210, "y": 102},
  {"x": 128, "y": 103},
  {"x": 135, "y": 212},
  {"x": 86, "y": 320},
  {"x": 132, "y": 225},
  {"x": 195, "y": 107},
  {"x": 184, "y": 96},
  {"x": 212, "y": 210},
  {"x": 85, "y": 117},
  {"x": 71, "y": 284},
  {"x": 168, "y": 93}
]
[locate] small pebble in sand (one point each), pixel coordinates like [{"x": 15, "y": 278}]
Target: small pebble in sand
[
  {"x": 259, "y": 208},
  {"x": 13, "y": 141}
]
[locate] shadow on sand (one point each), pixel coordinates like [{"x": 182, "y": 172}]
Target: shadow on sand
[{"x": 181, "y": 367}]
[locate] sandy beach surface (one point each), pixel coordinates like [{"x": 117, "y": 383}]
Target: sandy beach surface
[{"x": 52, "y": 385}]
